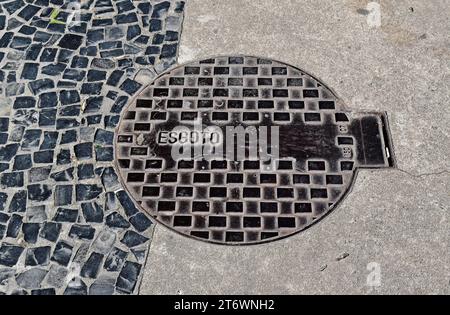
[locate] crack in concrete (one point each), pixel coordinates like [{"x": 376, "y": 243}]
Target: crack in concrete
[{"x": 424, "y": 174}]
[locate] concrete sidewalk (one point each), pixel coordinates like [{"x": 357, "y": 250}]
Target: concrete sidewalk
[{"x": 397, "y": 219}]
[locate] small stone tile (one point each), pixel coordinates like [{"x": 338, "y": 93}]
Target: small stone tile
[
  {"x": 14, "y": 226},
  {"x": 50, "y": 231},
  {"x": 102, "y": 287},
  {"x": 63, "y": 195},
  {"x": 82, "y": 232},
  {"x": 76, "y": 287},
  {"x": 9, "y": 254},
  {"x": 92, "y": 212},
  {"x": 115, "y": 220},
  {"x": 62, "y": 253},
  {"x": 132, "y": 239},
  {"x": 18, "y": 202},
  {"x": 115, "y": 260},
  {"x": 91, "y": 267},
  {"x": 31, "y": 278},
  {"x": 48, "y": 291},
  {"x": 37, "y": 256},
  {"x": 85, "y": 192},
  {"x": 39, "y": 192},
  {"x": 127, "y": 279},
  {"x": 30, "y": 232},
  {"x": 66, "y": 215}
]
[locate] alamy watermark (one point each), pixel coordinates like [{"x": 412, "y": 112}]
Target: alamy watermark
[
  {"x": 234, "y": 143},
  {"x": 373, "y": 279},
  {"x": 74, "y": 14},
  {"x": 373, "y": 14}
]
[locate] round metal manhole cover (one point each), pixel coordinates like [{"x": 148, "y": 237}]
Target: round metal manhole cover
[{"x": 240, "y": 150}]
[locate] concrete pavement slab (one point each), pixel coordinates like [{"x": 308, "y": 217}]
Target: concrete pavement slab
[{"x": 390, "y": 235}]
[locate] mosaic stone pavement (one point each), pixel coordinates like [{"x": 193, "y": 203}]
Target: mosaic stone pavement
[{"x": 66, "y": 224}]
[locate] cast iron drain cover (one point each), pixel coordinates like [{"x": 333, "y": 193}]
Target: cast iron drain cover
[{"x": 240, "y": 150}]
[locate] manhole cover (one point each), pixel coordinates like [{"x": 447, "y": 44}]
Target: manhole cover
[{"x": 242, "y": 150}]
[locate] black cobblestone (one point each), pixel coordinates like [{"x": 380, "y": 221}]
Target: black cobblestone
[
  {"x": 37, "y": 256},
  {"x": 9, "y": 254},
  {"x": 62, "y": 253},
  {"x": 59, "y": 192},
  {"x": 128, "y": 277}
]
